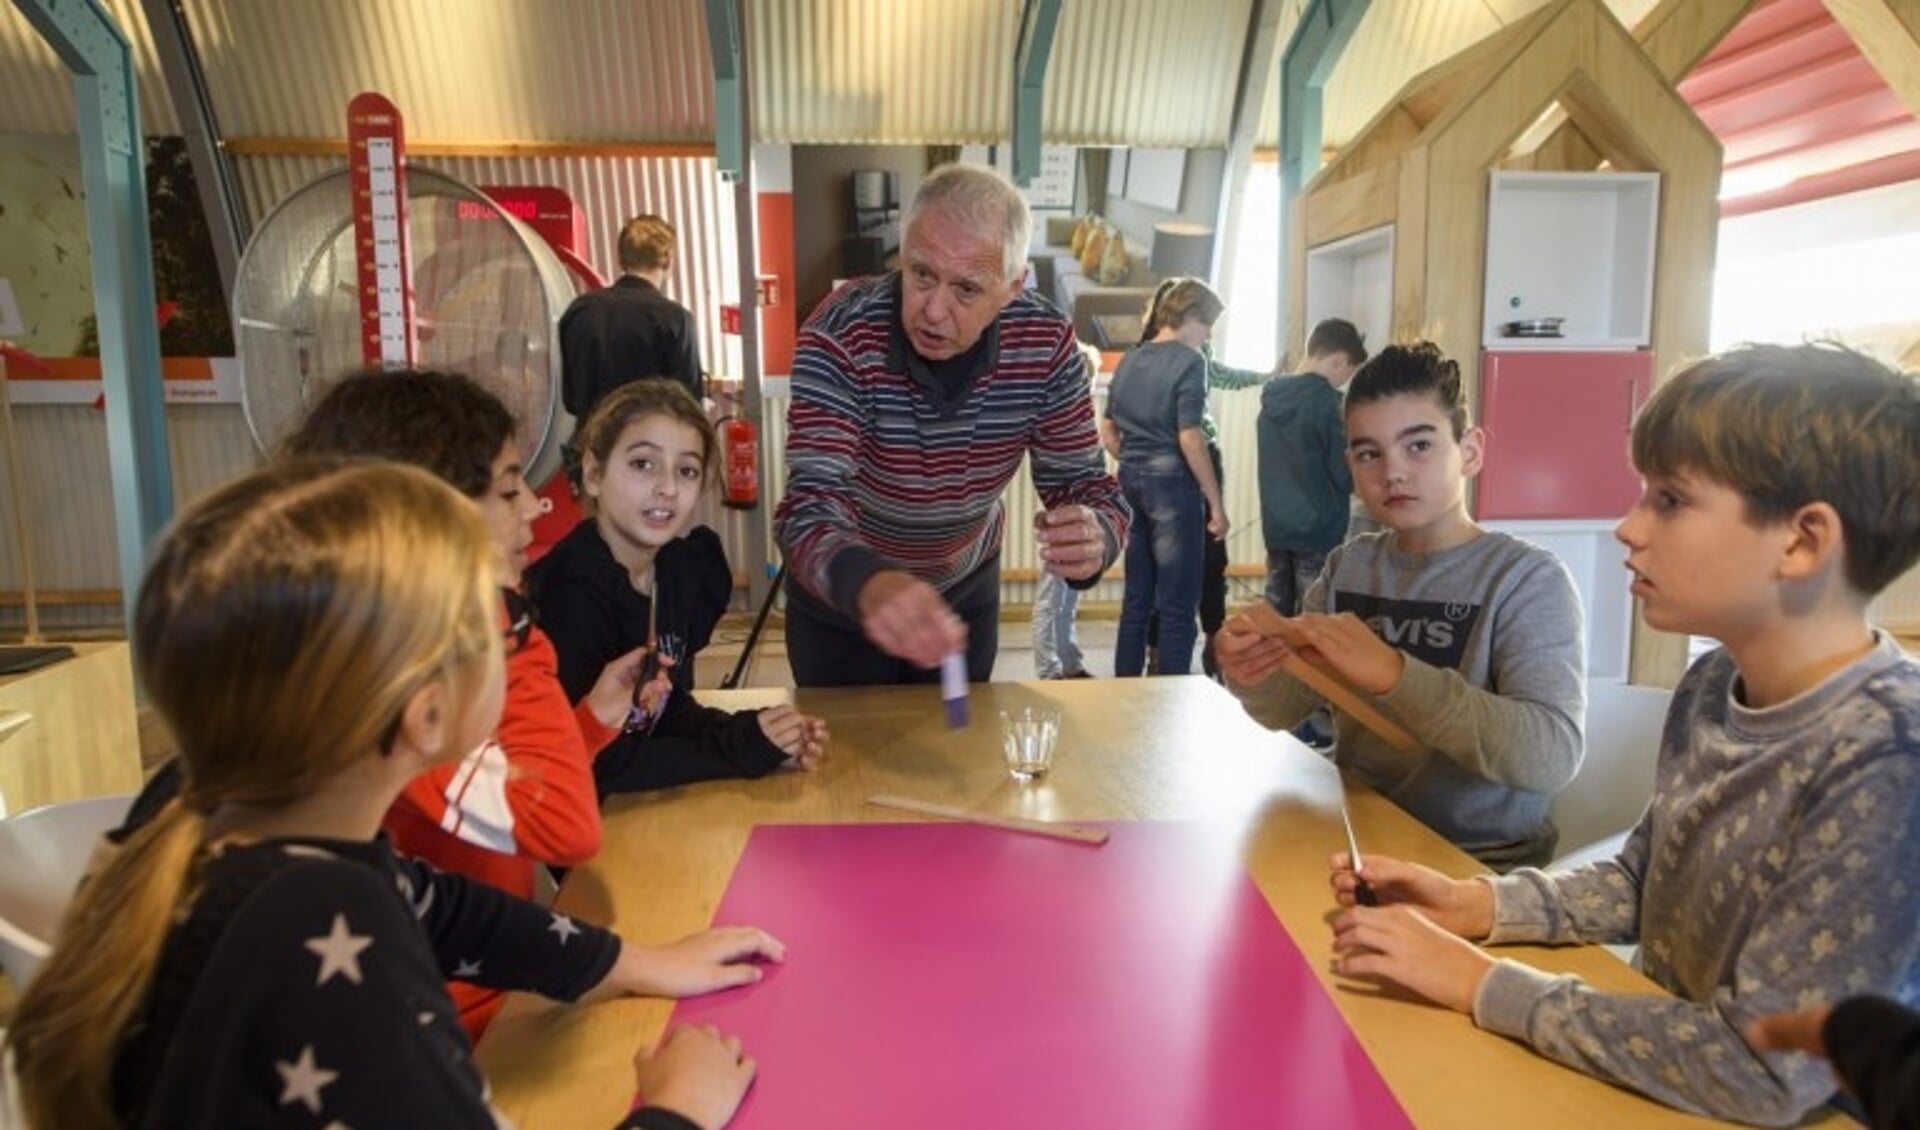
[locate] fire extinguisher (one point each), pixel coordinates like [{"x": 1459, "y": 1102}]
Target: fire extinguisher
[{"x": 740, "y": 455}]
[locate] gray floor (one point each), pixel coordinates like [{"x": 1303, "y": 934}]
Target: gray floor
[{"x": 1095, "y": 629}]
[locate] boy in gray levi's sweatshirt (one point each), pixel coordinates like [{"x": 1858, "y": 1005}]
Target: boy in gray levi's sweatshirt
[
  {"x": 1494, "y": 684},
  {"x": 1778, "y": 865},
  {"x": 1471, "y": 640}
]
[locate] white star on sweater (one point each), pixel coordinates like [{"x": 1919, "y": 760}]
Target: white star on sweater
[
  {"x": 304, "y": 1078},
  {"x": 563, "y": 926},
  {"x": 339, "y": 951},
  {"x": 467, "y": 969}
]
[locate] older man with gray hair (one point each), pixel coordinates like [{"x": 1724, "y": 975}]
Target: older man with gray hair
[{"x": 915, "y": 396}]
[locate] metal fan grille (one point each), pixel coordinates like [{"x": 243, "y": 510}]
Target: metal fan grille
[{"x": 488, "y": 294}]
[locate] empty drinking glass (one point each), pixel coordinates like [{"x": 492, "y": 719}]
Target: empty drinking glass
[{"x": 1027, "y": 736}]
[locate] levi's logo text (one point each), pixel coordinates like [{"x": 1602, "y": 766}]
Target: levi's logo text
[{"x": 1433, "y": 631}]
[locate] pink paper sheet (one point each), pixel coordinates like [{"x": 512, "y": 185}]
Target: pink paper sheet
[{"x": 946, "y": 976}]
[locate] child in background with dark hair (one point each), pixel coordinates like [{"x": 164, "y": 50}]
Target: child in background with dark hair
[
  {"x": 1777, "y": 864},
  {"x": 1470, "y": 639},
  {"x": 317, "y": 635},
  {"x": 1304, "y": 481},
  {"x": 632, "y": 573}
]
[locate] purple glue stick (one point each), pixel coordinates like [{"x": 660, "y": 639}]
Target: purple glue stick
[{"x": 953, "y": 689}]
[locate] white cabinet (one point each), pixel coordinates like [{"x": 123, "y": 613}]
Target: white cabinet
[
  {"x": 1352, "y": 278},
  {"x": 1577, "y": 246},
  {"x": 1597, "y": 562}
]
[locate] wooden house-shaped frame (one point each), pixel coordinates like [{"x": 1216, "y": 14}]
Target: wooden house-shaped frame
[{"x": 1566, "y": 88}]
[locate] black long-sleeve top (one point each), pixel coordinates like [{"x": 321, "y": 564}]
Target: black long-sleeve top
[
  {"x": 1875, "y": 1046},
  {"x": 587, "y": 605}
]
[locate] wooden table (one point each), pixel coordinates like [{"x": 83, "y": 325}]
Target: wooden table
[
  {"x": 1168, "y": 748},
  {"x": 78, "y": 737}
]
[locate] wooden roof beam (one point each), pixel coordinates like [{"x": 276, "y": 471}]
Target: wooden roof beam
[
  {"x": 1676, "y": 35},
  {"x": 1888, "y": 33}
]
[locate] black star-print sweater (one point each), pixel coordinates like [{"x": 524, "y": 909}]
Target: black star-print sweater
[{"x": 304, "y": 987}]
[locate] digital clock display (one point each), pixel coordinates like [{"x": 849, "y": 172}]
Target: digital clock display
[{"x": 526, "y": 210}]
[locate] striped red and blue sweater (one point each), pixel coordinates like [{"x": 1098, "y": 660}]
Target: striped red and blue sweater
[{"x": 882, "y": 475}]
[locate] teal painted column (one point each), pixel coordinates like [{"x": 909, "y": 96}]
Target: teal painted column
[
  {"x": 1038, "y": 19},
  {"x": 113, "y": 164},
  {"x": 1317, "y": 43},
  {"x": 729, "y": 89}
]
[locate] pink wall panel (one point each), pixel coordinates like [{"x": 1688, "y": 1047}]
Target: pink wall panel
[{"x": 1558, "y": 427}]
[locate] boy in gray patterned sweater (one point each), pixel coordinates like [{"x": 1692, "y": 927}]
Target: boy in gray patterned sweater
[
  {"x": 1778, "y": 865},
  {"x": 1470, "y": 639}
]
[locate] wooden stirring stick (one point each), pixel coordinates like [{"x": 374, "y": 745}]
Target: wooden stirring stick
[{"x": 1075, "y": 832}]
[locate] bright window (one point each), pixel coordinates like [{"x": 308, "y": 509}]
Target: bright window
[{"x": 1251, "y": 334}]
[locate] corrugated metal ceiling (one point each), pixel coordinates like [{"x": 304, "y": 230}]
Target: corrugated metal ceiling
[
  {"x": 1140, "y": 72},
  {"x": 492, "y": 72},
  {"x": 467, "y": 70}
]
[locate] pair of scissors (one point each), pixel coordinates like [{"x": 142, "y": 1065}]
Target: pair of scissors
[
  {"x": 1362, "y": 890},
  {"x": 640, "y": 719}
]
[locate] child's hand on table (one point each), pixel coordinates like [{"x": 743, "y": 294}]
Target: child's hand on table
[
  {"x": 698, "y": 963},
  {"x": 1459, "y": 906},
  {"x": 802, "y": 737},
  {"x": 1401, "y": 946},
  {"x": 696, "y": 1073},
  {"x": 1416, "y": 937}
]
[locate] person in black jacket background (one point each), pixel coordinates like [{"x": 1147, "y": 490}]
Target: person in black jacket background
[{"x": 1874, "y": 1044}]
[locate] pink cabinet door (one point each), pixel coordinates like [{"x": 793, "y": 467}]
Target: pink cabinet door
[{"x": 1557, "y": 430}]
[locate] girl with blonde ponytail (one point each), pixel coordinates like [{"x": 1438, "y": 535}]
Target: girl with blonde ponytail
[{"x": 315, "y": 635}]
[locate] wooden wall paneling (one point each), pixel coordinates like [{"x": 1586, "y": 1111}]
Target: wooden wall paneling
[
  {"x": 1456, "y": 260},
  {"x": 1391, "y": 131},
  {"x": 1563, "y": 149},
  {"x": 1362, "y": 201},
  {"x": 1410, "y": 250},
  {"x": 1293, "y": 340}
]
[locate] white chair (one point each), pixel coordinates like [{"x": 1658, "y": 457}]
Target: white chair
[
  {"x": 1605, "y": 799},
  {"x": 43, "y": 853}
]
